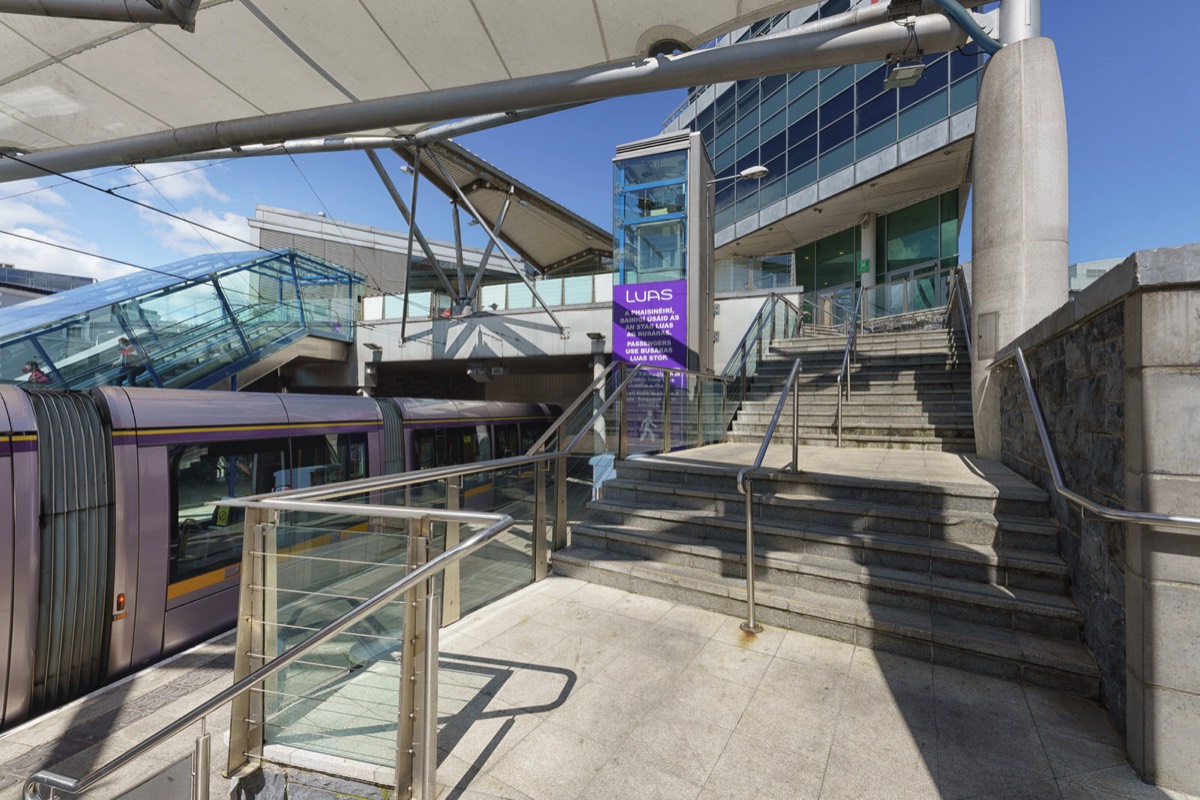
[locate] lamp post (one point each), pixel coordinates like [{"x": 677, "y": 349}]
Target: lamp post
[{"x": 757, "y": 172}]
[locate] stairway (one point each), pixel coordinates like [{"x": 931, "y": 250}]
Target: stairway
[
  {"x": 900, "y": 541},
  {"x": 910, "y": 390}
]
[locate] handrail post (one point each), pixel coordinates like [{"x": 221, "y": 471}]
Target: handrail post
[
  {"x": 559, "y": 538},
  {"x": 699, "y": 412},
  {"x": 751, "y": 624},
  {"x": 796, "y": 426},
  {"x": 622, "y": 416},
  {"x": 452, "y": 575},
  {"x": 406, "y": 723},
  {"x": 541, "y": 559},
  {"x": 426, "y": 761},
  {"x": 839, "y": 414},
  {"x": 666, "y": 412}
]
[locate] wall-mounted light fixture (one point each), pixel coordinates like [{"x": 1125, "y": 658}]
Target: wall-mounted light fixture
[{"x": 596, "y": 336}]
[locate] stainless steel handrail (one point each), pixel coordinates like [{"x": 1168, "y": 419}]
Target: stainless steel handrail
[
  {"x": 745, "y": 482},
  {"x": 958, "y": 297},
  {"x": 571, "y": 409},
  {"x": 1192, "y": 524},
  {"x": 500, "y": 523},
  {"x": 756, "y": 326},
  {"x": 851, "y": 347},
  {"x": 439, "y": 473}
]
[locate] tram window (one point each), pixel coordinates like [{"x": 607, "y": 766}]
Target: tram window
[
  {"x": 531, "y": 432},
  {"x": 507, "y": 443},
  {"x": 317, "y": 460},
  {"x": 205, "y": 538}
]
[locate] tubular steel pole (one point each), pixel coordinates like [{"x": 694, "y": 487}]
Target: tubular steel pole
[
  {"x": 751, "y": 624},
  {"x": 796, "y": 426},
  {"x": 666, "y": 415}
]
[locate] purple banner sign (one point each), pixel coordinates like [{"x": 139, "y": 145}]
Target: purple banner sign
[
  {"x": 650, "y": 327},
  {"x": 650, "y": 324}
]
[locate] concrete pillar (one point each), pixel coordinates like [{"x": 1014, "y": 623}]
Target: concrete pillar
[
  {"x": 1019, "y": 274},
  {"x": 867, "y": 231},
  {"x": 1162, "y": 567}
]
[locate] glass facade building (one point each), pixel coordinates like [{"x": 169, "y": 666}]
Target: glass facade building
[{"x": 809, "y": 126}]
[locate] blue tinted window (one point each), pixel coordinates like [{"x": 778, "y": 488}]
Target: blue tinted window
[
  {"x": 725, "y": 193},
  {"x": 872, "y": 84},
  {"x": 932, "y": 80},
  {"x": 862, "y": 70},
  {"x": 834, "y": 7},
  {"x": 705, "y": 117},
  {"x": 837, "y": 107},
  {"x": 801, "y": 129},
  {"x": 725, "y": 119},
  {"x": 774, "y": 147},
  {"x": 751, "y": 159},
  {"x": 876, "y": 139},
  {"x": 772, "y": 83},
  {"x": 725, "y": 101},
  {"x": 747, "y": 143},
  {"x": 776, "y": 124},
  {"x": 747, "y": 122},
  {"x": 802, "y": 176},
  {"x": 776, "y": 168},
  {"x": 833, "y": 135},
  {"x": 876, "y": 111},
  {"x": 748, "y": 99},
  {"x": 801, "y": 82},
  {"x": 774, "y": 104},
  {"x": 923, "y": 114},
  {"x": 745, "y": 207},
  {"x": 773, "y": 191},
  {"x": 725, "y": 139},
  {"x": 837, "y": 82},
  {"x": 802, "y": 153},
  {"x": 961, "y": 65},
  {"x": 723, "y": 161},
  {"x": 964, "y": 94},
  {"x": 802, "y": 106},
  {"x": 837, "y": 158}
]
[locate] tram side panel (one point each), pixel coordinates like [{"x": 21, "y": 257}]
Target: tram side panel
[{"x": 18, "y": 552}]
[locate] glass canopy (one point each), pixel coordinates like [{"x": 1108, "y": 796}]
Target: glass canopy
[{"x": 186, "y": 325}]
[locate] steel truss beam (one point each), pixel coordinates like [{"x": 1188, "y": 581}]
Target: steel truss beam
[{"x": 753, "y": 58}]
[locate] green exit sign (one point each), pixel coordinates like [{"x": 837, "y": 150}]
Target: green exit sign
[{"x": 864, "y": 266}]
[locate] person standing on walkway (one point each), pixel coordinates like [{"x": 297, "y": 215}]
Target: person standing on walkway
[
  {"x": 130, "y": 362},
  {"x": 36, "y": 376}
]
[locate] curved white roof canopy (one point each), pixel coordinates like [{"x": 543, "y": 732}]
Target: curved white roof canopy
[{"x": 70, "y": 82}]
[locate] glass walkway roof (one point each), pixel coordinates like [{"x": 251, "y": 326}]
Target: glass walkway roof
[{"x": 185, "y": 325}]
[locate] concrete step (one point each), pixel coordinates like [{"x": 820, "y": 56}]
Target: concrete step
[
  {"x": 815, "y": 426},
  {"x": 1003, "y": 494},
  {"x": 775, "y": 504},
  {"x": 888, "y": 442},
  {"x": 922, "y": 632},
  {"x": 1050, "y": 614},
  {"x": 681, "y": 530}
]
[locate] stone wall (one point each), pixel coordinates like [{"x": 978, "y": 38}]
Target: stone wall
[{"x": 1079, "y": 378}]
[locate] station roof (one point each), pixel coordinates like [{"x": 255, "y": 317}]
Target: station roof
[
  {"x": 546, "y": 235},
  {"x": 69, "y": 82}
]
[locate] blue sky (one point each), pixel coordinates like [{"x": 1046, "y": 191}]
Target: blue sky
[{"x": 1132, "y": 95}]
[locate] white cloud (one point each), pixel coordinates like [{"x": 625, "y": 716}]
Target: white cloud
[
  {"x": 190, "y": 240},
  {"x": 43, "y": 257},
  {"x": 175, "y": 182},
  {"x": 37, "y": 213}
]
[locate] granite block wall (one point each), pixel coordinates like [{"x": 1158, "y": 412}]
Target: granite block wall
[{"x": 1079, "y": 376}]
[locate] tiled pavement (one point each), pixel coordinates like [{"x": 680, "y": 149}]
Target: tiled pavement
[
  {"x": 656, "y": 700},
  {"x": 569, "y": 690}
]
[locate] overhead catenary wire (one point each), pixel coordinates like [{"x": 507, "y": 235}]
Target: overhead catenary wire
[{"x": 140, "y": 204}]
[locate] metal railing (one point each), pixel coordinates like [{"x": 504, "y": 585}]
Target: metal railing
[
  {"x": 745, "y": 482},
  {"x": 960, "y": 299},
  {"x": 849, "y": 359},
  {"x": 408, "y": 584},
  {"x": 778, "y": 318},
  {"x": 1191, "y": 524}
]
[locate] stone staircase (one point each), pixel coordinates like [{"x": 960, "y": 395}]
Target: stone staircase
[
  {"x": 910, "y": 390},
  {"x": 897, "y": 542}
]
